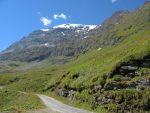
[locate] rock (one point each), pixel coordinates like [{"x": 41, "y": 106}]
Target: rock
[
  {"x": 129, "y": 68},
  {"x": 114, "y": 86},
  {"x": 98, "y": 87},
  {"x": 61, "y": 92},
  {"x": 139, "y": 88},
  {"x": 58, "y": 92},
  {"x": 105, "y": 100},
  {"x": 132, "y": 85},
  {"x": 146, "y": 62},
  {"x": 143, "y": 84},
  {"x": 127, "y": 78},
  {"x": 95, "y": 89},
  {"x": 128, "y": 71},
  {"x": 91, "y": 92},
  {"x": 75, "y": 75},
  {"x": 147, "y": 2},
  {"x": 65, "y": 93},
  {"x": 143, "y": 81},
  {"x": 71, "y": 95}
]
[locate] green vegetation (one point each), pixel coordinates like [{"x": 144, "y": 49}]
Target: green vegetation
[
  {"x": 18, "y": 101},
  {"x": 8, "y": 66},
  {"x": 136, "y": 100},
  {"x": 93, "y": 80}
]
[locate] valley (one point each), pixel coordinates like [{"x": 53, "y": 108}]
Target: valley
[{"x": 102, "y": 69}]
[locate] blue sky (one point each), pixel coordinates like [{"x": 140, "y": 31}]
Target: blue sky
[{"x": 18, "y": 18}]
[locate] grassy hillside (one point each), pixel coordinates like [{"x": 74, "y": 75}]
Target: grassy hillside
[
  {"x": 91, "y": 69},
  {"x": 114, "y": 78}
]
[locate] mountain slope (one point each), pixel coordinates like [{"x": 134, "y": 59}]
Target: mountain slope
[
  {"x": 113, "y": 75},
  {"x": 70, "y": 40},
  {"x": 43, "y": 43}
]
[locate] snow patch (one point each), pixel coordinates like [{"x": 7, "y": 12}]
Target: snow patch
[
  {"x": 46, "y": 44},
  {"x": 63, "y": 33},
  {"x": 78, "y": 31},
  {"x": 67, "y": 26},
  {"x": 72, "y": 26},
  {"x": 91, "y": 26},
  {"x": 99, "y": 49},
  {"x": 85, "y": 37},
  {"x": 45, "y": 30}
]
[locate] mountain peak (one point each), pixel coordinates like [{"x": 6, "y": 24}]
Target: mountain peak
[
  {"x": 44, "y": 29},
  {"x": 73, "y": 26}
]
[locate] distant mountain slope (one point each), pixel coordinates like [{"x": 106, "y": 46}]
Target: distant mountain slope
[{"x": 43, "y": 43}]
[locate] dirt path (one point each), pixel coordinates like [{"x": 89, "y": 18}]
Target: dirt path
[{"x": 54, "y": 106}]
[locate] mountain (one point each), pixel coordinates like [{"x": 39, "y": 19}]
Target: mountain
[
  {"x": 47, "y": 37},
  {"x": 43, "y": 43},
  {"x": 67, "y": 40},
  {"x": 113, "y": 76},
  {"x": 109, "y": 68}
]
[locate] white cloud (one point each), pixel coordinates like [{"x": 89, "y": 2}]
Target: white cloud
[
  {"x": 60, "y": 16},
  {"x": 113, "y": 1},
  {"x": 46, "y": 21}
]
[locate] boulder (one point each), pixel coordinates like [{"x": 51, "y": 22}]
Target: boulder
[
  {"x": 61, "y": 92},
  {"x": 71, "y": 95},
  {"x": 129, "y": 71},
  {"x": 65, "y": 93},
  {"x": 129, "y": 68}
]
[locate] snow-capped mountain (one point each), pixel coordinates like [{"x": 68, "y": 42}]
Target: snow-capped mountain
[
  {"x": 63, "y": 40},
  {"x": 47, "y": 42},
  {"x": 44, "y": 29},
  {"x": 74, "y": 26}
]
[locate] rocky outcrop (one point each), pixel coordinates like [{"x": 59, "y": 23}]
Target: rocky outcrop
[
  {"x": 129, "y": 69},
  {"x": 95, "y": 88},
  {"x": 68, "y": 93},
  {"x": 115, "y": 85},
  {"x": 147, "y": 2},
  {"x": 143, "y": 84}
]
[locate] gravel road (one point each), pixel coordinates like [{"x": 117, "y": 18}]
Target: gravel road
[{"x": 54, "y": 106}]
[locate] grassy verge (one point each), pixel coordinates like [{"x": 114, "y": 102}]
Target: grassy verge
[{"x": 18, "y": 102}]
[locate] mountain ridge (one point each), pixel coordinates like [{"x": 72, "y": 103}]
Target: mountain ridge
[
  {"x": 47, "y": 39},
  {"x": 109, "y": 71},
  {"x": 50, "y": 38}
]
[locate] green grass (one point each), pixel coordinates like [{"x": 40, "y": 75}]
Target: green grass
[
  {"x": 17, "y": 101},
  {"x": 98, "y": 63},
  {"x": 8, "y": 66},
  {"x": 93, "y": 68},
  {"x": 135, "y": 99}
]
